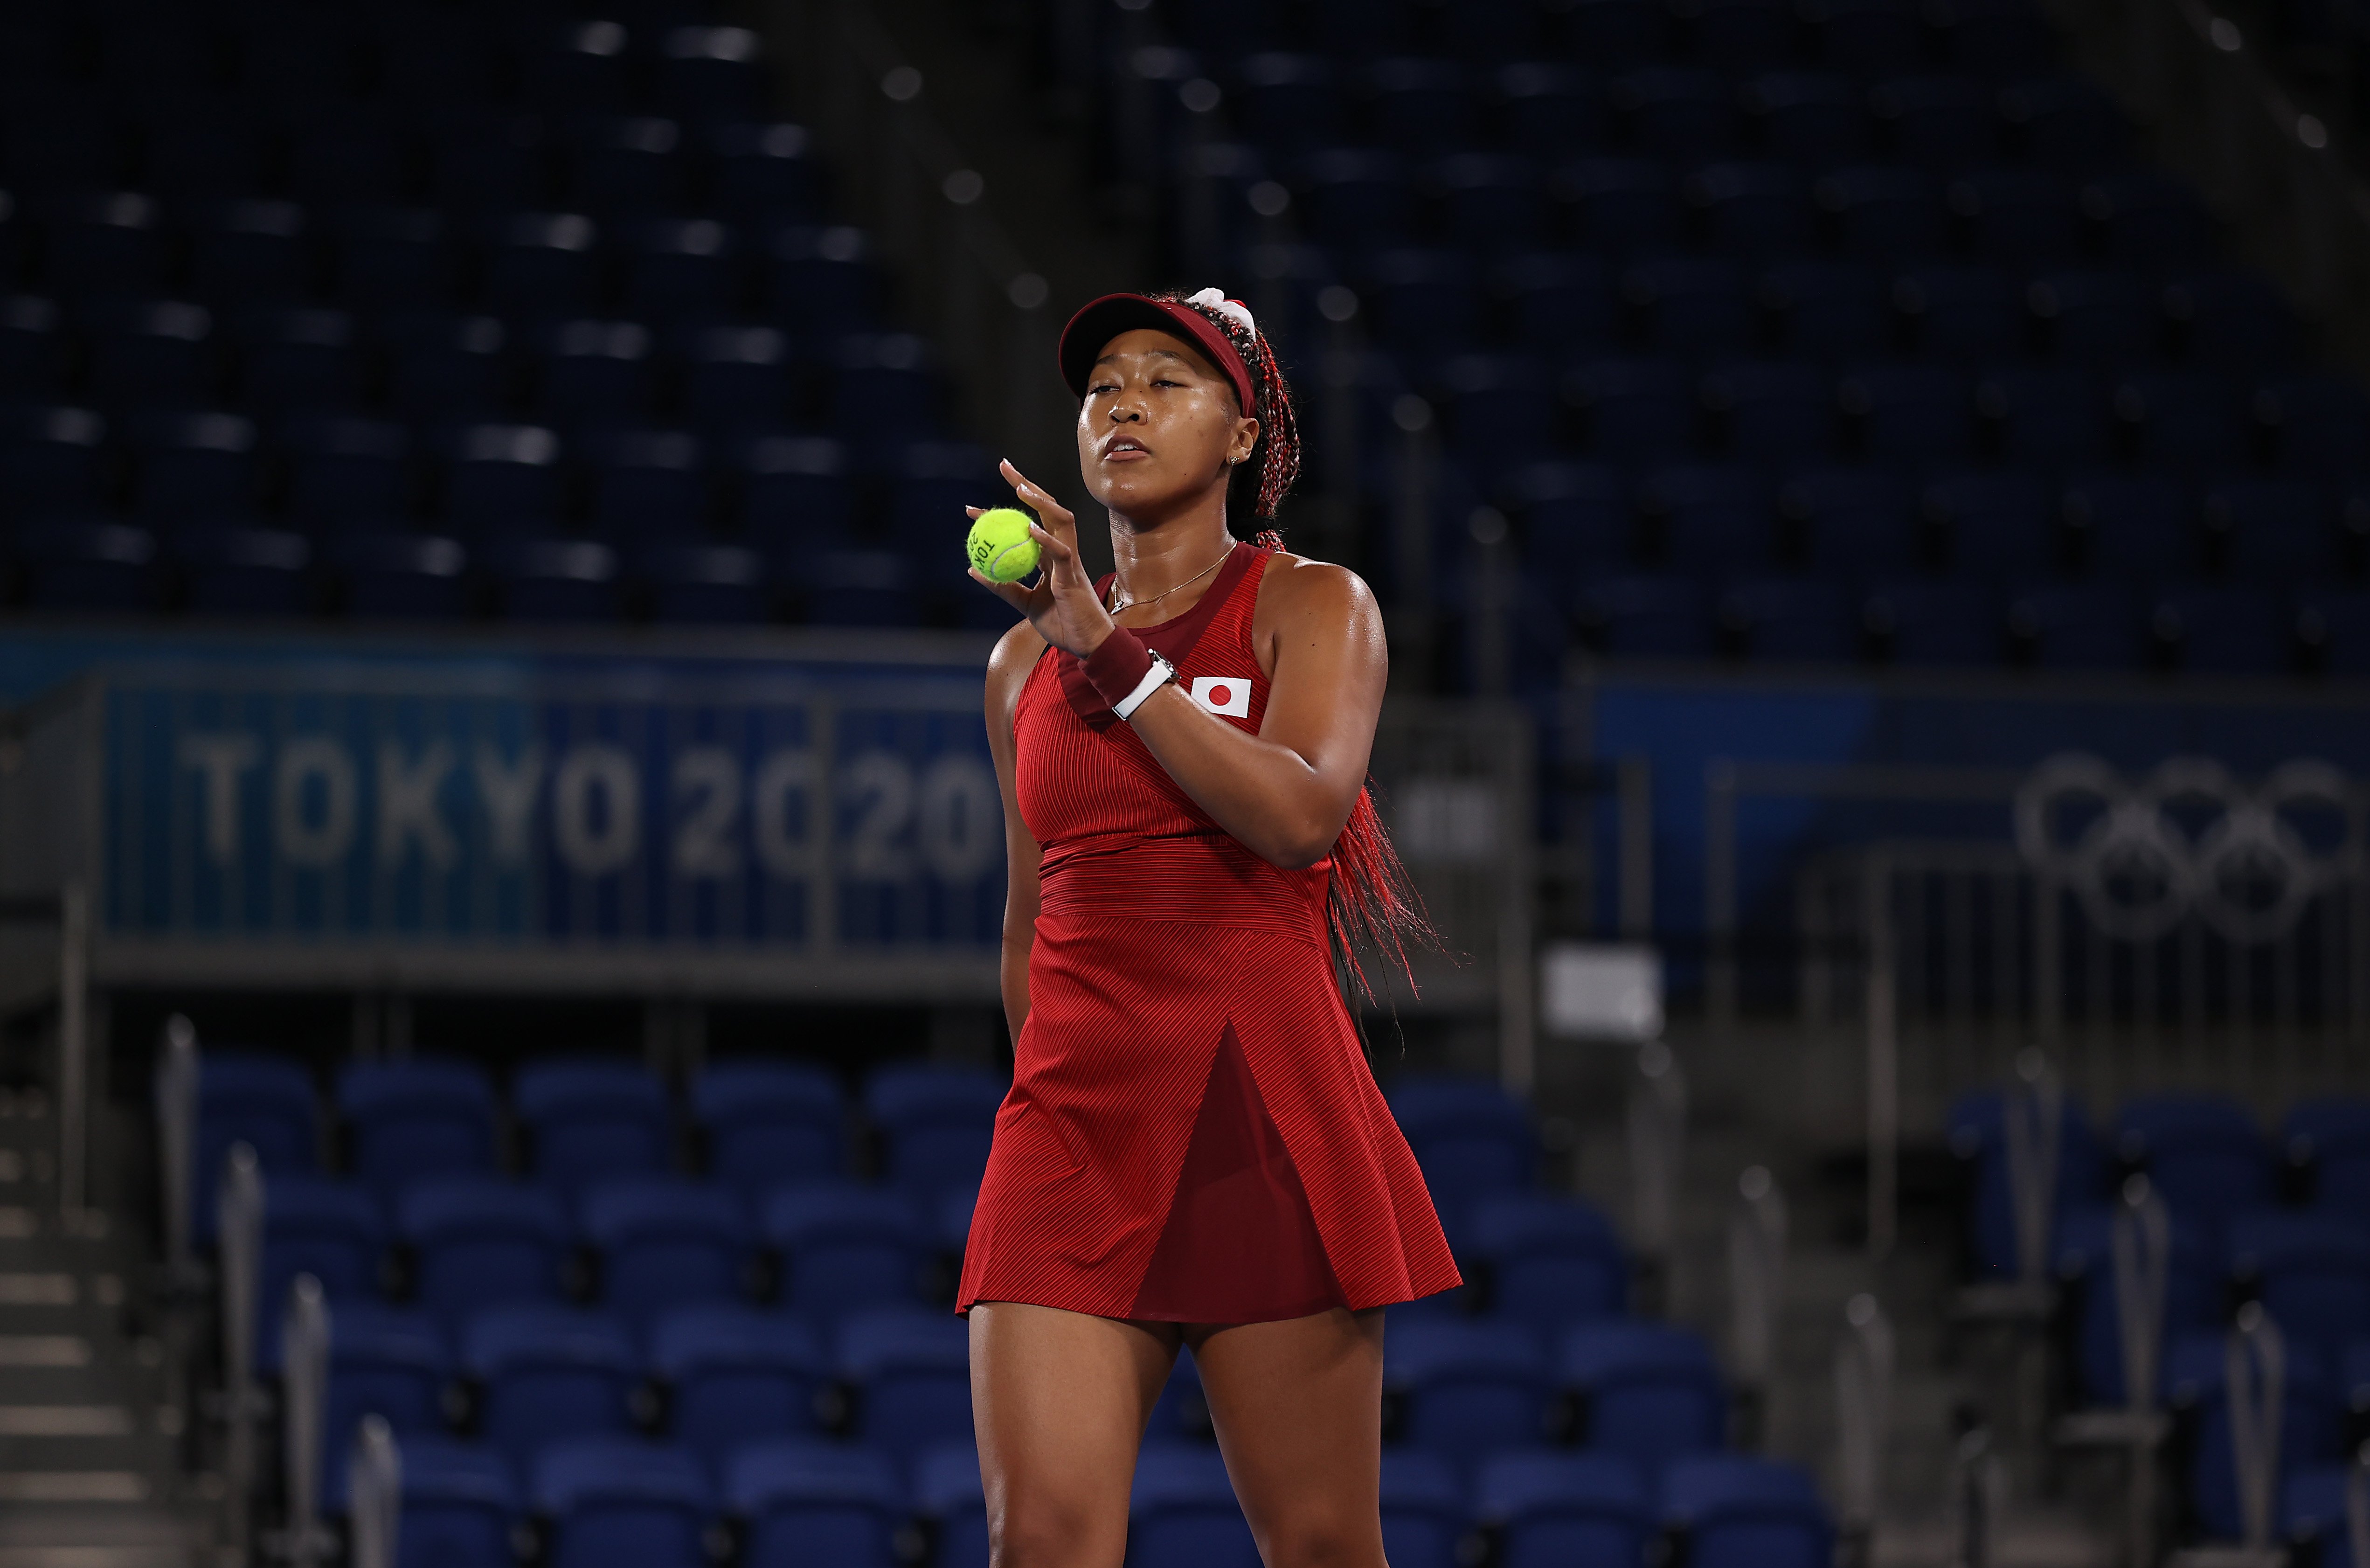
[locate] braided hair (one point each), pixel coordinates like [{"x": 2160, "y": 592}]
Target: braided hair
[
  {"x": 1277, "y": 453},
  {"x": 1371, "y": 904}
]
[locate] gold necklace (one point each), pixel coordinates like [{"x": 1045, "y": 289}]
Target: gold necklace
[{"x": 1125, "y": 606}]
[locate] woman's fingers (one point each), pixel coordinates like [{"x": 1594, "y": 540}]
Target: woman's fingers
[
  {"x": 1012, "y": 593},
  {"x": 1039, "y": 499},
  {"x": 973, "y": 510}
]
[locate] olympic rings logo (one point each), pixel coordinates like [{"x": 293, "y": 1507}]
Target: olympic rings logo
[{"x": 2189, "y": 838}]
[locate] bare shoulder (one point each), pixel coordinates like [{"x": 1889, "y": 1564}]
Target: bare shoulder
[
  {"x": 1297, "y": 588},
  {"x": 1016, "y": 653}
]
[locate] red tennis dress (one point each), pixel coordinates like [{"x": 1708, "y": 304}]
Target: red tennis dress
[{"x": 1192, "y": 1133}]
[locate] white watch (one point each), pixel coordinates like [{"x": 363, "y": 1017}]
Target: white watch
[{"x": 1161, "y": 672}]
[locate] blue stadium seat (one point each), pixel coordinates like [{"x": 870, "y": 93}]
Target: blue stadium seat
[
  {"x": 32, "y": 347},
  {"x": 2272, "y": 529},
  {"x": 1649, "y": 1392},
  {"x": 2196, "y": 1296},
  {"x": 2318, "y": 424},
  {"x": 794, "y": 489},
  {"x": 2203, "y": 1153},
  {"x": 2078, "y": 625},
  {"x": 820, "y": 279},
  {"x": 2098, "y": 316},
  {"x": 1910, "y": 415},
  {"x": 711, "y": 71},
  {"x": 1356, "y": 197},
  {"x": 1575, "y": 519},
  {"x": 703, "y": 585},
  {"x": 2311, "y": 1271},
  {"x": 2311, "y": 1430},
  {"x": 401, "y": 576},
  {"x": 737, "y": 378},
  {"x": 846, "y": 1247},
  {"x": 2335, "y": 624},
  {"x": 1501, "y": 409},
  {"x": 592, "y": 1120},
  {"x": 809, "y": 1502},
  {"x": 102, "y": 246},
  {"x": 1998, "y": 523},
  {"x": 549, "y": 1374},
  {"x": 596, "y": 375},
  {"x": 2327, "y": 1140},
  {"x": 1791, "y": 620},
  {"x": 302, "y": 57},
  {"x": 883, "y": 383},
  {"x": 416, "y": 1118},
  {"x": 1681, "y": 113},
  {"x": 488, "y": 159},
  {"x": 1955, "y": 312},
  {"x": 1560, "y": 1510},
  {"x": 1708, "y": 516},
  {"x": 1850, "y": 521},
  {"x": 1464, "y": 1386},
  {"x": 934, "y": 1123},
  {"x": 557, "y": 581},
  {"x": 1619, "y": 32},
  {"x": 1828, "y": 310},
  {"x": 763, "y": 171},
  {"x": 459, "y": 1505},
  {"x": 1183, "y": 1512},
  {"x": 1472, "y": 1138},
  {"x": 1738, "y": 1512},
  {"x": 666, "y": 1242},
  {"x": 435, "y": 59},
  {"x": 1818, "y": 118},
  {"x": 1426, "y": 1519},
  {"x": 343, "y": 151},
  {"x": 443, "y": 367},
  {"x": 1561, "y": 303},
  {"x": 383, "y": 1361},
  {"x": 2231, "y": 319},
  {"x": 2147, "y": 220},
  {"x": 578, "y": 67},
  {"x": 229, "y": 567},
  {"x": 152, "y": 353},
  {"x": 193, "y": 464},
  {"x": 1978, "y": 1139},
  {"x": 858, "y": 588},
  {"x": 1868, "y": 37},
  {"x": 736, "y": 1376},
  {"x": 2312, "y": 1514},
  {"x": 1289, "y": 102},
  {"x": 1690, "y": 304},
  {"x": 252, "y": 250},
  {"x": 1882, "y": 214},
  {"x": 1635, "y": 409},
  {"x": 1543, "y": 106},
  {"x": 2046, "y": 416},
  {"x": 1756, "y": 210},
  {"x": 541, "y": 265},
  {"x": 648, "y": 484},
  {"x": 934, "y": 482},
  {"x": 265, "y": 1103},
  {"x": 1944, "y": 123},
  {"x": 953, "y": 1504},
  {"x": 332, "y": 1230},
  {"x": 626, "y": 165},
  {"x": 392, "y": 258},
  {"x": 502, "y": 480},
  {"x": 910, "y": 1368},
  {"x": 1489, "y": 200},
  {"x": 299, "y": 357},
  {"x": 1619, "y": 203},
  {"x": 88, "y": 563},
  {"x": 1648, "y": 616},
  {"x": 1419, "y": 106},
  {"x": 478, "y": 1242},
  {"x": 2061, "y": 121},
  {"x": 2184, "y": 420},
  {"x": 1771, "y": 410},
  {"x": 2131, "y": 527},
  {"x": 1742, "y": 35},
  {"x": 680, "y": 271},
  {"x": 1426, "y": 304},
  {"x": 345, "y": 470},
  {"x": 1925, "y": 622},
  {"x": 1547, "y": 1260},
  {"x": 2230, "y": 629},
  {"x": 618, "y": 1503},
  {"x": 2018, "y": 217}
]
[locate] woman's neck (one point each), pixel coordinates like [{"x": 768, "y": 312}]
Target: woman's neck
[{"x": 1171, "y": 562}]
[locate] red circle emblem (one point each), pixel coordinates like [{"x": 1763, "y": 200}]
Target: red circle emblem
[{"x": 1220, "y": 696}]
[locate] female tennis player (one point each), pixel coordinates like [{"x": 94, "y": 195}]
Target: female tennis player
[{"x": 1193, "y": 1152}]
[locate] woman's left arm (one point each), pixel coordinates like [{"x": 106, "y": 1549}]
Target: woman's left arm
[{"x": 1286, "y": 792}]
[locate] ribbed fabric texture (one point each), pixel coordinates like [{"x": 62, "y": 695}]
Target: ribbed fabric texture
[{"x": 1159, "y": 935}]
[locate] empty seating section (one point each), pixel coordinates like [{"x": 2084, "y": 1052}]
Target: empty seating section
[
  {"x": 1736, "y": 260},
  {"x": 2252, "y": 1219},
  {"x": 627, "y": 1317},
  {"x": 305, "y": 313}
]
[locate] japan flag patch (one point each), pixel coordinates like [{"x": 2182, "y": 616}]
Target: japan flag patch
[{"x": 1230, "y": 695}]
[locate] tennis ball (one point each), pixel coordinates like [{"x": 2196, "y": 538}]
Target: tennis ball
[{"x": 1000, "y": 546}]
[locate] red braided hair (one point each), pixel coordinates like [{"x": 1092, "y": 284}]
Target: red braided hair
[{"x": 1371, "y": 903}]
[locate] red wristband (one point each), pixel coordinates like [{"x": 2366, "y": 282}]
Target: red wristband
[{"x": 1117, "y": 667}]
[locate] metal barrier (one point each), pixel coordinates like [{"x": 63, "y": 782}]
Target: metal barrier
[
  {"x": 1757, "y": 1225},
  {"x": 238, "y": 1248},
  {"x": 373, "y": 1496},
  {"x": 1657, "y": 1126},
  {"x": 1864, "y": 1358},
  {"x": 304, "y": 1392}
]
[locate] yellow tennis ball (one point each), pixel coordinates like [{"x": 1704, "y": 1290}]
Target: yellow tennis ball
[{"x": 999, "y": 545}]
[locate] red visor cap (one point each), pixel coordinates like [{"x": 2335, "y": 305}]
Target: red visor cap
[{"x": 1103, "y": 319}]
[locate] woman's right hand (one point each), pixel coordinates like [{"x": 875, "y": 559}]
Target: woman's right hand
[{"x": 1061, "y": 604}]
